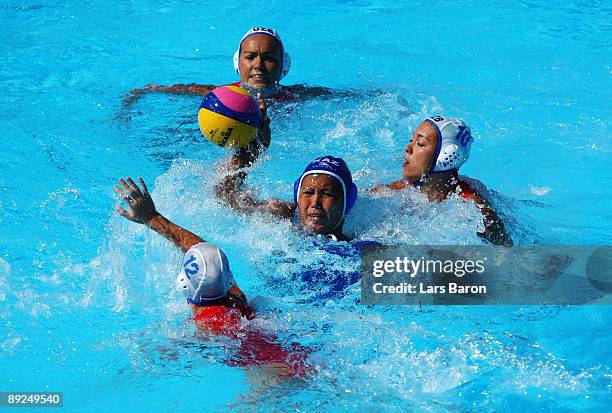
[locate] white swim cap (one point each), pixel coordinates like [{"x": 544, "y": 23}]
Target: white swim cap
[
  {"x": 286, "y": 63},
  {"x": 205, "y": 274},
  {"x": 454, "y": 142}
]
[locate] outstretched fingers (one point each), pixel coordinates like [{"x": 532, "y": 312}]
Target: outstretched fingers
[
  {"x": 135, "y": 188},
  {"x": 141, "y": 207},
  {"x": 122, "y": 211},
  {"x": 125, "y": 185},
  {"x": 121, "y": 193},
  {"x": 144, "y": 186},
  {"x": 131, "y": 189}
]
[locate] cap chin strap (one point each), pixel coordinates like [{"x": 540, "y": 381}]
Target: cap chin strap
[
  {"x": 328, "y": 236},
  {"x": 336, "y": 226}
]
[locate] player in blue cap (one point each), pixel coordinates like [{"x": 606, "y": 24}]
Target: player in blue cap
[
  {"x": 323, "y": 195},
  {"x": 438, "y": 148}
]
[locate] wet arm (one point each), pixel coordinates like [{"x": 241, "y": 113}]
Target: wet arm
[
  {"x": 303, "y": 92},
  {"x": 179, "y": 236},
  {"x": 230, "y": 190},
  {"x": 397, "y": 185},
  {"x": 236, "y": 169},
  {"x": 177, "y": 89},
  {"x": 495, "y": 231},
  {"x": 245, "y": 157},
  {"x": 231, "y": 187},
  {"x": 142, "y": 211}
]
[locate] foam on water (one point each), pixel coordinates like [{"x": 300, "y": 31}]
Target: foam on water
[{"x": 389, "y": 357}]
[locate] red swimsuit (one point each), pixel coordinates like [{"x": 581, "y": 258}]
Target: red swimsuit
[{"x": 256, "y": 346}]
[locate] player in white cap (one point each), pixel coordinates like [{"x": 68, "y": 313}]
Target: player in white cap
[
  {"x": 436, "y": 151},
  {"x": 206, "y": 281},
  {"x": 205, "y": 278},
  {"x": 261, "y": 62}
]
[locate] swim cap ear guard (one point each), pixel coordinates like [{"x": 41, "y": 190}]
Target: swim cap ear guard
[
  {"x": 286, "y": 63},
  {"x": 454, "y": 143},
  {"x": 205, "y": 275},
  {"x": 336, "y": 167}
]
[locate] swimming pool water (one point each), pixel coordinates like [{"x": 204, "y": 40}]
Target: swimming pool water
[{"x": 87, "y": 299}]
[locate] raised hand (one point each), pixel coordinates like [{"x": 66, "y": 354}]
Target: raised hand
[{"x": 142, "y": 207}]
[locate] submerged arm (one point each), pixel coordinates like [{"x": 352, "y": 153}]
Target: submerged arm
[
  {"x": 304, "y": 92},
  {"x": 495, "y": 231},
  {"x": 143, "y": 211},
  {"x": 177, "y": 89}
]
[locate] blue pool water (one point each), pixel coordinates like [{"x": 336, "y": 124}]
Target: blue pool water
[{"x": 87, "y": 299}]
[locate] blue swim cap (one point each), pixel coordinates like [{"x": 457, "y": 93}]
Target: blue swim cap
[{"x": 336, "y": 167}]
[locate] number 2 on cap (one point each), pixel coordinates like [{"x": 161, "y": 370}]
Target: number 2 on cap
[{"x": 194, "y": 267}]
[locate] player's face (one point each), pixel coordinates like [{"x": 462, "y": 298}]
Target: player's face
[
  {"x": 320, "y": 203},
  {"x": 260, "y": 61},
  {"x": 420, "y": 152}
]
